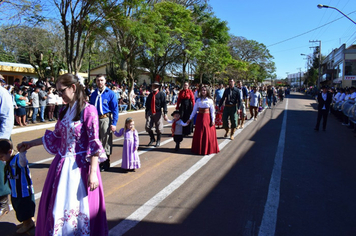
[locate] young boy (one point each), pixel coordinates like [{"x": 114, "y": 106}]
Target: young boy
[
  {"x": 18, "y": 174},
  {"x": 177, "y": 128}
]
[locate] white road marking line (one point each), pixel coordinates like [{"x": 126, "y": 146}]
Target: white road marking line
[
  {"x": 20, "y": 130},
  {"x": 146, "y": 208},
  {"x": 127, "y": 224},
  {"x": 38, "y": 195},
  {"x": 138, "y": 215},
  {"x": 269, "y": 219},
  {"x": 41, "y": 161}
]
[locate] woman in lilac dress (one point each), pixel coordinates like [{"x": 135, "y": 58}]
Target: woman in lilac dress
[
  {"x": 72, "y": 201},
  {"x": 130, "y": 159}
]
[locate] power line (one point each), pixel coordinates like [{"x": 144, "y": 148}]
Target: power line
[{"x": 308, "y": 31}]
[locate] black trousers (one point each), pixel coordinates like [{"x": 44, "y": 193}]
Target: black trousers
[
  {"x": 322, "y": 114},
  {"x": 178, "y": 138}
]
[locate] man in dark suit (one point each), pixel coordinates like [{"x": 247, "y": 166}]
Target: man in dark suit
[{"x": 324, "y": 101}]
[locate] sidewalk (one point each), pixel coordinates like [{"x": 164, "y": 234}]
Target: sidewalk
[{"x": 51, "y": 124}]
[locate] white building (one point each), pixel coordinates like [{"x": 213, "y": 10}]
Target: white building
[{"x": 339, "y": 67}]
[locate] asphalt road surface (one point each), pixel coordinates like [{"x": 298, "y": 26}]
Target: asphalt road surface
[{"x": 277, "y": 177}]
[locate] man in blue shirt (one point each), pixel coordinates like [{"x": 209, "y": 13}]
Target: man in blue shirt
[
  {"x": 219, "y": 94},
  {"x": 104, "y": 99},
  {"x": 6, "y": 125}
]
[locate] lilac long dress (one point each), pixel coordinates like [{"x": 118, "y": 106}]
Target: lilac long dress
[
  {"x": 130, "y": 159},
  {"x": 67, "y": 206}
]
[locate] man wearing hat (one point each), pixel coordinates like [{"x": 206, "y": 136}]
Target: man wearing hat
[
  {"x": 156, "y": 101},
  {"x": 324, "y": 101}
]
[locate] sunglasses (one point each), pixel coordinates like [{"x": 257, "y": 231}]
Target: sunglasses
[{"x": 60, "y": 91}]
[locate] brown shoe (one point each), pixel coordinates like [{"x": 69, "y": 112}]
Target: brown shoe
[
  {"x": 232, "y": 133},
  {"x": 4, "y": 205},
  {"x": 26, "y": 227},
  {"x": 226, "y": 133}
]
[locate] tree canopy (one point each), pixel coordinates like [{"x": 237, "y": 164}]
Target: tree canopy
[{"x": 159, "y": 36}]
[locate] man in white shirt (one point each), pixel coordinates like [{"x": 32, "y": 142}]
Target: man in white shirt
[
  {"x": 6, "y": 125},
  {"x": 255, "y": 99},
  {"x": 342, "y": 95},
  {"x": 35, "y": 103},
  {"x": 336, "y": 97},
  {"x": 353, "y": 93}
]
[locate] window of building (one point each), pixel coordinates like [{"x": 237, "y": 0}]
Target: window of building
[
  {"x": 350, "y": 67},
  {"x": 338, "y": 70}
]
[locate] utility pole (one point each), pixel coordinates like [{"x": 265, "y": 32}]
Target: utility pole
[{"x": 318, "y": 41}]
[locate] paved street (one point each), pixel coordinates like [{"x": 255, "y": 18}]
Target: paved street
[{"x": 307, "y": 179}]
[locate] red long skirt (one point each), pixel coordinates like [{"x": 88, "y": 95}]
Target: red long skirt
[{"x": 204, "y": 138}]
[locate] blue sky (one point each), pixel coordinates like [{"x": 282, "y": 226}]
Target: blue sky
[{"x": 270, "y": 22}]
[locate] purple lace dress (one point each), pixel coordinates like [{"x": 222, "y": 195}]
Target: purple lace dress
[
  {"x": 130, "y": 159},
  {"x": 67, "y": 206}
]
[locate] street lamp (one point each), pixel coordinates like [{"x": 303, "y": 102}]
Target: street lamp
[{"x": 325, "y": 6}]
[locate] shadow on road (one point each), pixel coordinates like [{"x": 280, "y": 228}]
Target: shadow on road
[{"x": 317, "y": 185}]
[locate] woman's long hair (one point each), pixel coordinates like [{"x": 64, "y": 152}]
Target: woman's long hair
[
  {"x": 208, "y": 93},
  {"x": 68, "y": 80}
]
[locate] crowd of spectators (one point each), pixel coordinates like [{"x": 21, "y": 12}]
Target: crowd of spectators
[
  {"x": 34, "y": 100},
  {"x": 344, "y": 105},
  {"x": 37, "y": 100}
]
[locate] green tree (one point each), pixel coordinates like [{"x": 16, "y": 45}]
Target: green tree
[
  {"x": 20, "y": 12},
  {"x": 79, "y": 19},
  {"x": 126, "y": 33},
  {"x": 173, "y": 27},
  {"x": 40, "y": 47},
  {"x": 214, "y": 55},
  {"x": 256, "y": 55}
]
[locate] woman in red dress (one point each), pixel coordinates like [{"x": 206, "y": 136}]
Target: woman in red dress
[
  {"x": 204, "y": 138},
  {"x": 218, "y": 116},
  {"x": 185, "y": 106}
]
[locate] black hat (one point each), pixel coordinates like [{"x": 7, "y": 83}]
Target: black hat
[
  {"x": 175, "y": 112},
  {"x": 156, "y": 83},
  {"x": 324, "y": 87}
]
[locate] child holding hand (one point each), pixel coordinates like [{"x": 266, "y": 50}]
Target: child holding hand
[
  {"x": 177, "y": 129},
  {"x": 130, "y": 159},
  {"x": 18, "y": 174}
]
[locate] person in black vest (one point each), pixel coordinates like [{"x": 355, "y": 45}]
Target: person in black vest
[
  {"x": 324, "y": 101},
  {"x": 232, "y": 98},
  {"x": 156, "y": 101}
]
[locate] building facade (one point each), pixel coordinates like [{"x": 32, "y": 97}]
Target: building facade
[
  {"x": 11, "y": 71},
  {"x": 339, "y": 67},
  {"x": 295, "y": 79}
]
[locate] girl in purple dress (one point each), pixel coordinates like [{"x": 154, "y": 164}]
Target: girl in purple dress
[
  {"x": 72, "y": 201},
  {"x": 130, "y": 159}
]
